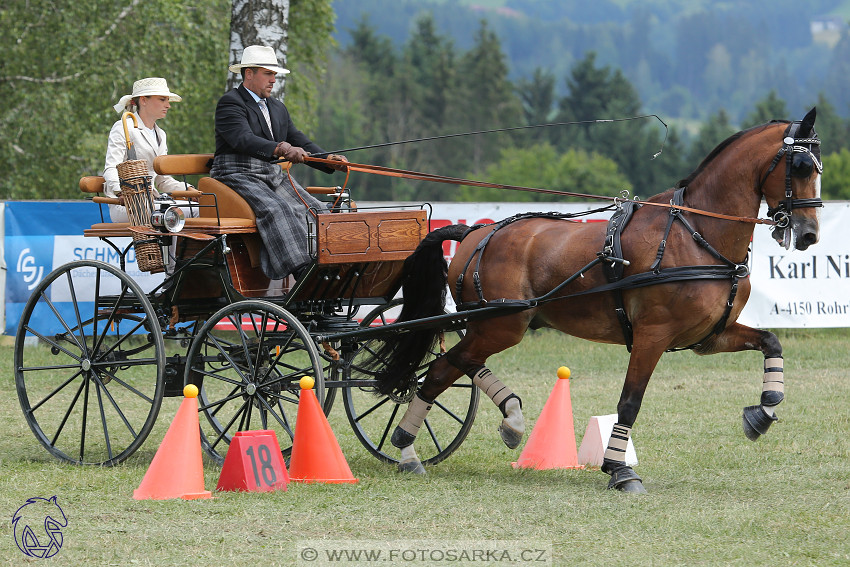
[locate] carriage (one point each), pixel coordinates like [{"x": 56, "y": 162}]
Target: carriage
[
  {"x": 665, "y": 274},
  {"x": 91, "y": 373}
]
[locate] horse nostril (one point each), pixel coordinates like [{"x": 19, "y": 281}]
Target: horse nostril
[{"x": 807, "y": 240}]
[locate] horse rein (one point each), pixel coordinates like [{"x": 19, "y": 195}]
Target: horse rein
[
  {"x": 420, "y": 176},
  {"x": 779, "y": 215}
]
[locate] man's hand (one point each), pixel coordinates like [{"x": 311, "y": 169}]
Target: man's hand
[
  {"x": 290, "y": 153},
  {"x": 342, "y": 159}
]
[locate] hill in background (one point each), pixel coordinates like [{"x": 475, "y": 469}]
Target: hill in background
[{"x": 687, "y": 59}]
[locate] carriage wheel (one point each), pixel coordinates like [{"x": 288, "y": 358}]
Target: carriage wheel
[
  {"x": 89, "y": 363},
  {"x": 247, "y": 361},
  {"x": 374, "y": 418}
]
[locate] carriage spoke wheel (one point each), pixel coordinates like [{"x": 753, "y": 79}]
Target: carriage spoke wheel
[
  {"x": 247, "y": 361},
  {"x": 89, "y": 363},
  {"x": 374, "y": 418}
]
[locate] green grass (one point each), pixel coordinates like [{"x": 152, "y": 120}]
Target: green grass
[{"x": 715, "y": 498}]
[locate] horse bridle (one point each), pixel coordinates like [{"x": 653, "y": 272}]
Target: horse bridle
[{"x": 791, "y": 145}]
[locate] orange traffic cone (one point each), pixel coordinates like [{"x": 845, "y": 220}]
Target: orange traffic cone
[
  {"x": 552, "y": 443},
  {"x": 316, "y": 455},
  {"x": 177, "y": 469}
]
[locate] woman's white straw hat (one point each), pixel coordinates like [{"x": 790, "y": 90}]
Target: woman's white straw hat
[
  {"x": 258, "y": 56},
  {"x": 150, "y": 86}
]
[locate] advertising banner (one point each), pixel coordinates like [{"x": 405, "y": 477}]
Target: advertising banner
[{"x": 42, "y": 236}]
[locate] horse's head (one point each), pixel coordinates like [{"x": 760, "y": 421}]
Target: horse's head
[{"x": 794, "y": 203}]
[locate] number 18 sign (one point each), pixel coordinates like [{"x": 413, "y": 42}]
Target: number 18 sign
[{"x": 253, "y": 463}]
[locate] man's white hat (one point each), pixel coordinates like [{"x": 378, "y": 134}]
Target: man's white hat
[
  {"x": 258, "y": 56},
  {"x": 151, "y": 86}
]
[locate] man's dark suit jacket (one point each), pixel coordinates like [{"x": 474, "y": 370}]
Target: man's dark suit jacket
[{"x": 240, "y": 128}]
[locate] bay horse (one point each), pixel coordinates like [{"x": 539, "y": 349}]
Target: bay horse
[{"x": 672, "y": 275}]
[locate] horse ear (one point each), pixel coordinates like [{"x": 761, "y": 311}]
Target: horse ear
[{"x": 807, "y": 125}]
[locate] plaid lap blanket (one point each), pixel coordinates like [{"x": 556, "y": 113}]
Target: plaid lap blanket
[{"x": 281, "y": 214}]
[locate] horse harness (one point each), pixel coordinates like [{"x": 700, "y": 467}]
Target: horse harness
[
  {"x": 796, "y": 152},
  {"x": 792, "y": 149},
  {"x": 612, "y": 261},
  {"x": 613, "y": 270}
]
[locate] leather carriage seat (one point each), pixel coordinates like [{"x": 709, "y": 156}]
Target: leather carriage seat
[{"x": 222, "y": 209}]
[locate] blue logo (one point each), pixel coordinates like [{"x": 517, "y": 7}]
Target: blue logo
[
  {"x": 29, "y": 260},
  {"x": 38, "y": 527}
]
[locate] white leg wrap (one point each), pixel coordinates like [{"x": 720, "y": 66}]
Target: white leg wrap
[
  {"x": 774, "y": 377},
  {"x": 415, "y": 415},
  {"x": 491, "y": 386},
  {"x": 616, "y": 450}
]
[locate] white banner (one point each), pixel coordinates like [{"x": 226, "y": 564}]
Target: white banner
[
  {"x": 793, "y": 288},
  {"x": 790, "y": 288}
]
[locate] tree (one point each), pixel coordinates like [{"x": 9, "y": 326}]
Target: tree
[
  {"x": 59, "y": 79},
  {"x": 771, "y": 107},
  {"x": 713, "y": 131},
  {"x": 488, "y": 101},
  {"x": 600, "y": 93},
  {"x": 542, "y": 166},
  {"x": 837, "y": 168},
  {"x": 258, "y": 22},
  {"x": 537, "y": 96}
]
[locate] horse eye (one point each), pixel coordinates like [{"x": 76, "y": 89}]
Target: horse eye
[{"x": 802, "y": 166}]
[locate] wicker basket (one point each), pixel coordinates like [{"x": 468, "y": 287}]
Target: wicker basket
[{"x": 137, "y": 193}]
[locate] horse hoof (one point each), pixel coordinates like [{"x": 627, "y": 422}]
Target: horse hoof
[
  {"x": 756, "y": 422},
  {"x": 632, "y": 487},
  {"x": 412, "y": 467},
  {"x": 511, "y": 437},
  {"x": 623, "y": 477}
]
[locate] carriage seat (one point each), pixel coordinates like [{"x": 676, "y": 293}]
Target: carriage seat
[{"x": 221, "y": 210}]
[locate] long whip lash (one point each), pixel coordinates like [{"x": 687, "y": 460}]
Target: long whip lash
[{"x": 512, "y": 128}]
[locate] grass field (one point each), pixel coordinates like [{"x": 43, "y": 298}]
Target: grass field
[{"x": 715, "y": 498}]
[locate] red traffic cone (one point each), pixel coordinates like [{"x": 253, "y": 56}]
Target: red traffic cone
[
  {"x": 253, "y": 463},
  {"x": 316, "y": 455},
  {"x": 177, "y": 469},
  {"x": 552, "y": 443}
]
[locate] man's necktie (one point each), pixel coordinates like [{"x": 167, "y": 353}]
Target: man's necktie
[{"x": 265, "y": 110}]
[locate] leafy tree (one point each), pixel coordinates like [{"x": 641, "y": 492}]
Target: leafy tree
[
  {"x": 542, "y": 166},
  {"x": 537, "y": 96},
  {"x": 713, "y": 131},
  {"x": 601, "y": 93},
  {"x": 59, "y": 79},
  {"x": 836, "y": 169},
  {"x": 831, "y": 130},
  {"x": 769, "y": 108},
  {"x": 488, "y": 100}
]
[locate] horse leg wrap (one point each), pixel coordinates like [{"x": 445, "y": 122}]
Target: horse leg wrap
[
  {"x": 773, "y": 385},
  {"x": 757, "y": 419},
  {"x": 406, "y": 431},
  {"x": 512, "y": 427},
  {"x": 623, "y": 477}
]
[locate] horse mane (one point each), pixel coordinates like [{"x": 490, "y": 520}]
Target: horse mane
[{"x": 719, "y": 149}]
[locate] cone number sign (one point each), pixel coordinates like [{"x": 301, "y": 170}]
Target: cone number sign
[
  {"x": 254, "y": 463},
  {"x": 269, "y": 475}
]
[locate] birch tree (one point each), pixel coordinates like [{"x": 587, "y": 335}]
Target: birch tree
[{"x": 259, "y": 22}]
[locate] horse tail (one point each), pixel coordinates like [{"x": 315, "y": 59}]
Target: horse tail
[{"x": 424, "y": 278}]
